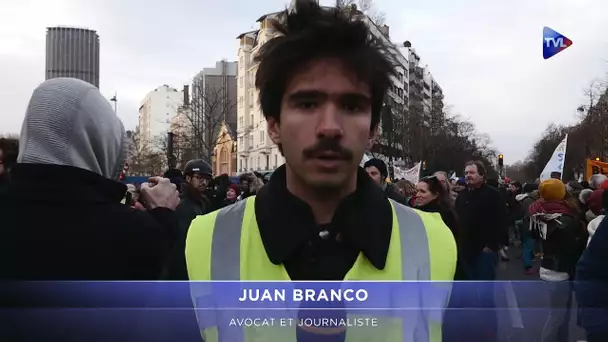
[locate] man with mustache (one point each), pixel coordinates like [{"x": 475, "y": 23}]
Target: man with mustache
[{"x": 322, "y": 84}]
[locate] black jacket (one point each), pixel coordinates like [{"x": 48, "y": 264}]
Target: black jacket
[
  {"x": 450, "y": 220},
  {"x": 482, "y": 216},
  {"x": 65, "y": 223},
  {"x": 592, "y": 284},
  {"x": 192, "y": 204},
  {"x": 391, "y": 192}
]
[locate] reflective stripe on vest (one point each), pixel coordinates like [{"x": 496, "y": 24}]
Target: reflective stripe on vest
[
  {"x": 226, "y": 252},
  {"x": 224, "y": 263}
]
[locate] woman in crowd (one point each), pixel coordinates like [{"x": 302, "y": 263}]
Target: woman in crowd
[
  {"x": 232, "y": 194},
  {"x": 408, "y": 190},
  {"x": 432, "y": 196}
]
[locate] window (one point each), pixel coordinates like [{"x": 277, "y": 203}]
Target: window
[
  {"x": 241, "y": 82},
  {"x": 251, "y": 121},
  {"x": 224, "y": 156},
  {"x": 250, "y": 141},
  {"x": 241, "y": 100},
  {"x": 241, "y": 121},
  {"x": 262, "y": 136},
  {"x": 276, "y": 161},
  {"x": 240, "y": 143}
]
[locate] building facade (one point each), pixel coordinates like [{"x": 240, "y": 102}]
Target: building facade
[
  {"x": 256, "y": 152},
  {"x": 225, "y": 151},
  {"x": 72, "y": 52},
  {"x": 156, "y": 113},
  {"x": 213, "y": 101}
]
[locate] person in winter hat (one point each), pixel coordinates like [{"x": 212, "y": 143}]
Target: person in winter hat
[
  {"x": 592, "y": 226},
  {"x": 193, "y": 202},
  {"x": 377, "y": 170},
  {"x": 552, "y": 190},
  {"x": 559, "y": 229},
  {"x": 232, "y": 194},
  {"x": 594, "y": 202}
]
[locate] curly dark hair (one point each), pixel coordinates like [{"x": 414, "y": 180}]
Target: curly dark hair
[{"x": 310, "y": 32}]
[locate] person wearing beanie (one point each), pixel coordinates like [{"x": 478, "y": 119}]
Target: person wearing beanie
[
  {"x": 595, "y": 223},
  {"x": 556, "y": 223},
  {"x": 594, "y": 203},
  {"x": 193, "y": 202},
  {"x": 232, "y": 194},
  {"x": 377, "y": 170}
]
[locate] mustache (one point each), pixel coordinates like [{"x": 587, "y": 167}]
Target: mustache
[{"x": 328, "y": 145}]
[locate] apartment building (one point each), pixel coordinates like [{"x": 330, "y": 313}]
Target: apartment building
[
  {"x": 256, "y": 152},
  {"x": 214, "y": 101},
  {"x": 156, "y": 112}
]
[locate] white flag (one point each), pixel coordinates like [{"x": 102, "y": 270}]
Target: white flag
[
  {"x": 555, "y": 166},
  {"x": 412, "y": 175}
]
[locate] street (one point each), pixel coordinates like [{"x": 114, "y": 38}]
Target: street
[{"x": 524, "y": 321}]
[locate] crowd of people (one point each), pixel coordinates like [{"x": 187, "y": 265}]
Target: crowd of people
[{"x": 66, "y": 216}]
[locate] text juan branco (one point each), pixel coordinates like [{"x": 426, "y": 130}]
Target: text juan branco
[{"x": 303, "y": 295}]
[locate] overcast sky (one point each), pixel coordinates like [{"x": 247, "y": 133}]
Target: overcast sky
[{"x": 486, "y": 55}]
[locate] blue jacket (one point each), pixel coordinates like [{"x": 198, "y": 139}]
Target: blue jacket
[{"x": 592, "y": 283}]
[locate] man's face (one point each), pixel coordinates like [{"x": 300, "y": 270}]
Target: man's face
[
  {"x": 472, "y": 175},
  {"x": 373, "y": 172},
  {"x": 325, "y": 124},
  {"x": 198, "y": 181}
]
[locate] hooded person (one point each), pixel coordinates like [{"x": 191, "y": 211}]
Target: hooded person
[{"x": 62, "y": 216}]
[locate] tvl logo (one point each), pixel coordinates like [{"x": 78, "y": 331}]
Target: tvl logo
[{"x": 554, "y": 43}]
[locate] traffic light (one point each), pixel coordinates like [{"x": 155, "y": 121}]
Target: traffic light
[
  {"x": 597, "y": 158},
  {"x": 500, "y": 160}
]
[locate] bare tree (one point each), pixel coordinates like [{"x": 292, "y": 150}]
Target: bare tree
[
  {"x": 143, "y": 159},
  {"x": 366, "y": 7},
  {"x": 209, "y": 108}
]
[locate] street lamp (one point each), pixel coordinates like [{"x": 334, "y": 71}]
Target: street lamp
[{"x": 115, "y": 100}]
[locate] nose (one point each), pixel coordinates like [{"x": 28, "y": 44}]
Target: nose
[{"x": 329, "y": 123}]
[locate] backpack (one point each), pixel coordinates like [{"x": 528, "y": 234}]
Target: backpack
[{"x": 543, "y": 226}]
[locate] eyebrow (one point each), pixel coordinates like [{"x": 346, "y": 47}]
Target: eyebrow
[{"x": 318, "y": 95}]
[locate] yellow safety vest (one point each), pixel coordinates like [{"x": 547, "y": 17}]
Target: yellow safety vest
[{"x": 225, "y": 245}]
